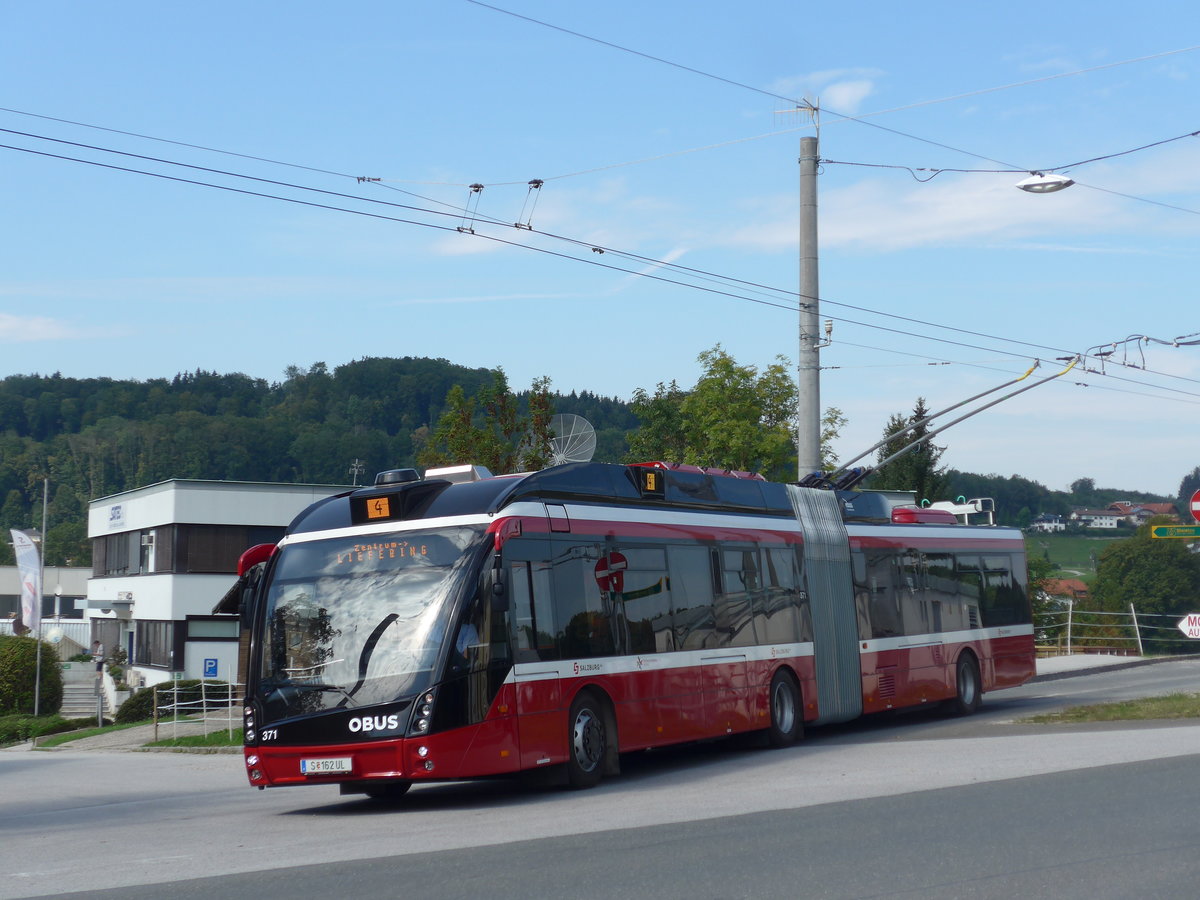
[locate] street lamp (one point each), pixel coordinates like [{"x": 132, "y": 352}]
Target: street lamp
[{"x": 1044, "y": 183}]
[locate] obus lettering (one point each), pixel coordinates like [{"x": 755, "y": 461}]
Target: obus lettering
[{"x": 374, "y": 723}]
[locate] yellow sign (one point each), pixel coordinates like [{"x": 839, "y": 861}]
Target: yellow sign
[{"x": 379, "y": 508}]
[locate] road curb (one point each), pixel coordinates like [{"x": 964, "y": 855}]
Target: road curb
[{"x": 1116, "y": 667}]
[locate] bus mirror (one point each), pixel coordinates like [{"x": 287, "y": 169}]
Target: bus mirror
[
  {"x": 495, "y": 587},
  {"x": 249, "y": 595}
]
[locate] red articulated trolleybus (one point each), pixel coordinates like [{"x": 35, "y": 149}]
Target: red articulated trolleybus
[{"x": 437, "y": 629}]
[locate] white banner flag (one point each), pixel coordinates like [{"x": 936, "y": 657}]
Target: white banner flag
[{"x": 30, "y": 570}]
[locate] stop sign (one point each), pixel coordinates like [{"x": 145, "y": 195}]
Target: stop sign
[
  {"x": 610, "y": 572},
  {"x": 1194, "y": 506}
]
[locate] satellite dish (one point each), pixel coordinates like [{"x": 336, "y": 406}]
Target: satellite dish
[{"x": 574, "y": 439}]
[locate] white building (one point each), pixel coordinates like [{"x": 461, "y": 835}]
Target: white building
[
  {"x": 163, "y": 555},
  {"x": 1097, "y": 518},
  {"x": 1048, "y": 524}
]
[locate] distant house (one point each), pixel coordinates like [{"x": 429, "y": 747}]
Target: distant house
[
  {"x": 1047, "y": 524},
  {"x": 1065, "y": 589},
  {"x": 1097, "y": 518},
  {"x": 1139, "y": 513}
]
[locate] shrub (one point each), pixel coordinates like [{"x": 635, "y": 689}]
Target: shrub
[
  {"x": 17, "y": 728},
  {"x": 18, "y": 675}
]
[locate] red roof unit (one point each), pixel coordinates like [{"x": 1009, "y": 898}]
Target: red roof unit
[{"x": 911, "y": 515}]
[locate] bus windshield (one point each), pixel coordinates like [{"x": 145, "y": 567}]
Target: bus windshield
[{"x": 356, "y": 621}]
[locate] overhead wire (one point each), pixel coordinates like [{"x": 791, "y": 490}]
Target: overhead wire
[
  {"x": 860, "y": 119},
  {"x": 691, "y": 272}
]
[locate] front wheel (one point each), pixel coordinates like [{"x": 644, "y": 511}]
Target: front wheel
[
  {"x": 787, "y": 725},
  {"x": 969, "y": 693},
  {"x": 587, "y": 741}
]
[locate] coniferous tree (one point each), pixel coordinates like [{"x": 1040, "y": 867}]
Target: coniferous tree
[{"x": 918, "y": 468}]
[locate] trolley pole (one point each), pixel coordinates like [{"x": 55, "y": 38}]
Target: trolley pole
[{"x": 808, "y": 362}]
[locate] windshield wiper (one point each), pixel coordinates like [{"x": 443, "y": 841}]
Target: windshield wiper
[{"x": 364, "y": 658}]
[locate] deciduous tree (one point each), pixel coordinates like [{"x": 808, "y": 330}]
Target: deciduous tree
[{"x": 1158, "y": 576}]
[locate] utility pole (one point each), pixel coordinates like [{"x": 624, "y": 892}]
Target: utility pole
[{"x": 808, "y": 362}]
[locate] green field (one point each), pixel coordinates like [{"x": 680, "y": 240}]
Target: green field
[{"x": 1076, "y": 556}]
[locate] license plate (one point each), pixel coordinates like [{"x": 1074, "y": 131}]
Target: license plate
[{"x": 326, "y": 766}]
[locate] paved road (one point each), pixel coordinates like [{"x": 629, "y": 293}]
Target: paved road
[
  {"x": 91, "y": 821},
  {"x": 1090, "y": 834}
]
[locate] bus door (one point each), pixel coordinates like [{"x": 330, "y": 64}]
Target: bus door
[
  {"x": 541, "y": 728},
  {"x": 694, "y": 573},
  {"x": 737, "y": 587}
]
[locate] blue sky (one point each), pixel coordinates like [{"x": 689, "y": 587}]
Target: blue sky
[{"x": 109, "y": 272}]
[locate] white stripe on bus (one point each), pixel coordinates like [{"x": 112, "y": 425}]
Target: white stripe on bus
[{"x": 654, "y": 662}]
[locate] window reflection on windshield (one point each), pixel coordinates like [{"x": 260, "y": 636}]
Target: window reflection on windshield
[{"x": 353, "y": 622}]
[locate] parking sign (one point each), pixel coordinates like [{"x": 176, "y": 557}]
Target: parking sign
[{"x": 210, "y": 668}]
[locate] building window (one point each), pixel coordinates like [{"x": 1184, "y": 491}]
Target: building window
[
  {"x": 153, "y": 644},
  {"x": 216, "y": 548},
  {"x": 116, "y": 554}
]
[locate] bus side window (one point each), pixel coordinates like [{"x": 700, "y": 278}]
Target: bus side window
[
  {"x": 885, "y": 604},
  {"x": 733, "y": 609},
  {"x": 523, "y": 621},
  {"x": 646, "y": 600},
  {"x": 533, "y": 612},
  {"x": 862, "y": 594},
  {"x": 782, "y": 617},
  {"x": 692, "y": 578},
  {"x": 1003, "y": 602},
  {"x": 584, "y": 616}
]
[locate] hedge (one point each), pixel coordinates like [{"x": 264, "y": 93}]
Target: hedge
[
  {"x": 18, "y": 675},
  {"x": 17, "y": 728}
]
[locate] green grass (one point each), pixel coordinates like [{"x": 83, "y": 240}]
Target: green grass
[
  {"x": 1071, "y": 553},
  {"x": 1172, "y": 706},
  {"x": 54, "y": 740},
  {"x": 220, "y": 738}
]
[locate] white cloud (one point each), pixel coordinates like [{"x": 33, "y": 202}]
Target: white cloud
[
  {"x": 888, "y": 214},
  {"x": 30, "y": 329},
  {"x": 841, "y": 90}
]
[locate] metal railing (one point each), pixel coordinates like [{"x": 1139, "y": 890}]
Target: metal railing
[
  {"x": 203, "y": 708},
  {"x": 1072, "y": 630}
]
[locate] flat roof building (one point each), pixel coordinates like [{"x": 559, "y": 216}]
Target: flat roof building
[{"x": 163, "y": 555}]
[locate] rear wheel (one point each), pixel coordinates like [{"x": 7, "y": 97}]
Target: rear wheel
[
  {"x": 587, "y": 739},
  {"x": 970, "y": 692},
  {"x": 786, "y": 726}
]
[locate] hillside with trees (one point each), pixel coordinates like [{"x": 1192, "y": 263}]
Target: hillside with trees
[{"x": 94, "y": 437}]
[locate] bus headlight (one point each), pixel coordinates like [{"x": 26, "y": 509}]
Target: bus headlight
[{"x": 422, "y": 716}]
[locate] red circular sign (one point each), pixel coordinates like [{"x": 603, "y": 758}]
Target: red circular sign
[
  {"x": 610, "y": 572},
  {"x": 1194, "y": 506}
]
